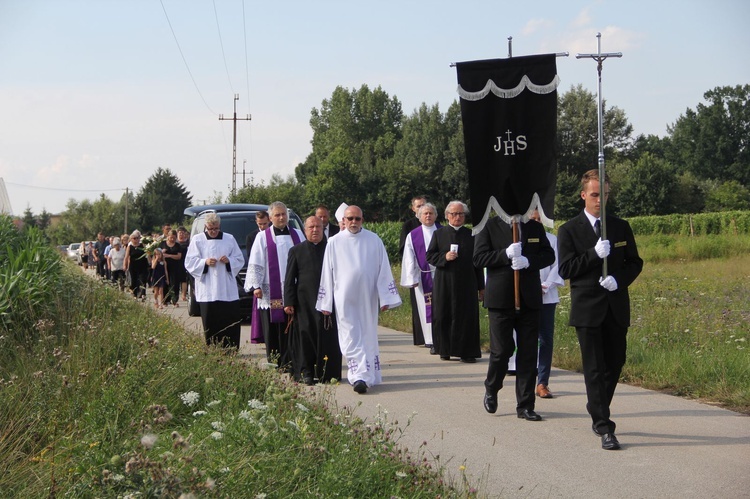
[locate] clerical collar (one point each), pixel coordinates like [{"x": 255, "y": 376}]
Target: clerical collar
[
  {"x": 454, "y": 227},
  {"x": 219, "y": 235},
  {"x": 281, "y": 232}
]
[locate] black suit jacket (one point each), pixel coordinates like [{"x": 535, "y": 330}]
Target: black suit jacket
[
  {"x": 408, "y": 226},
  {"x": 489, "y": 251},
  {"x": 332, "y": 229},
  {"x": 579, "y": 263}
]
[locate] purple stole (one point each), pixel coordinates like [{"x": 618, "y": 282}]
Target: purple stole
[
  {"x": 274, "y": 275},
  {"x": 417, "y": 240},
  {"x": 256, "y": 333}
]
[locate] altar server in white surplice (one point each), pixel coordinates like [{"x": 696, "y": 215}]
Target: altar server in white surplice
[
  {"x": 214, "y": 259},
  {"x": 357, "y": 280},
  {"x": 266, "y": 268},
  {"x": 417, "y": 273}
]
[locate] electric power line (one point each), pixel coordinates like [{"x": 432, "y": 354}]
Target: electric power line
[
  {"x": 185, "y": 60},
  {"x": 221, "y": 42}
]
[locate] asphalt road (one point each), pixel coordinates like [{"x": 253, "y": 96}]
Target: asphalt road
[{"x": 671, "y": 447}]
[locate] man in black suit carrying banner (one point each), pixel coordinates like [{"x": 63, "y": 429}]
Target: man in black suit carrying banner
[{"x": 509, "y": 113}]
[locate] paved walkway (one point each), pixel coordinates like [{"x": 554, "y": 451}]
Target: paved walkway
[{"x": 671, "y": 447}]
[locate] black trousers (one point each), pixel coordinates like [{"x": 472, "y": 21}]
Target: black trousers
[
  {"x": 221, "y": 322},
  {"x": 502, "y": 323},
  {"x": 603, "y": 351},
  {"x": 276, "y": 339}
]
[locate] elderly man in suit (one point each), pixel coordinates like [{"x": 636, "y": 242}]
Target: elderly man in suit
[
  {"x": 600, "y": 306},
  {"x": 494, "y": 249}
]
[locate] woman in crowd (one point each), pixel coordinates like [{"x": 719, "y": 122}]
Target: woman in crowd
[
  {"x": 159, "y": 276},
  {"x": 183, "y": 237},
  {"x": 116, "y": 263},
  {"x": 136, "y": 264},
  {"x": 172, "y": 254},
  {"x": 84, "y": 251}
]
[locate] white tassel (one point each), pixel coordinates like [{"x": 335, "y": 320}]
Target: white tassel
[
  {"x": 509, "y": 93},
  {"x": 492, "y": 204}
]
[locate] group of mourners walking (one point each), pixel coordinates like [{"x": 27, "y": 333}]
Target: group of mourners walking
[{"x": 129, "y": 263}]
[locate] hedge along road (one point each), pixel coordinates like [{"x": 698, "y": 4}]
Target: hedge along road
[{"x": 671, "y": 447}]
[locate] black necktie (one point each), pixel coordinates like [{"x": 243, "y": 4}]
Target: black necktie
[{"x": 598, "y": 228}]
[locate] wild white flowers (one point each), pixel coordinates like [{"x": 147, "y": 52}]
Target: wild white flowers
[
  {"x": 257, "y": 405},
  {"x": 190, "y": 398}
]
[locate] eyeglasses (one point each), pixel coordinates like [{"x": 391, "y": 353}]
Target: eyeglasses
[
  {"x": 456, "y": 214},
  {"x": 354, "y": 219},
  {"x": 211, "y": 229}
]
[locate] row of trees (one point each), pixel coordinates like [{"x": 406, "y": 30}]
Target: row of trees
[
  {"x": 365, "y": 150},
  {"x": 162, "y": 199}
]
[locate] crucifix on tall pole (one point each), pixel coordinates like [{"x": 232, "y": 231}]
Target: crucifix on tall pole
[
  {"x": 234, "y": 142},
  {"x": 599, "y": 57}
]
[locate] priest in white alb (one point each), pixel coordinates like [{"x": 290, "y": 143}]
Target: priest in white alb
[
  {"x": 356, "y": 279},
  {"x": 416, "y": 271},
  {"x": 214, "y": 259},
  {"x": 266, "y": 268}
]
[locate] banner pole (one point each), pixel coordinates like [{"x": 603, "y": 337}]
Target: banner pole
[
  {"x": 516, "y": 273},
  {"x": 599, "y": 57}
]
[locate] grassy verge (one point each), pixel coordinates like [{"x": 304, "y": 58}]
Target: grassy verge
[
  {"x": 690, "y": 320},
  {"x": 101, "y": 397}
]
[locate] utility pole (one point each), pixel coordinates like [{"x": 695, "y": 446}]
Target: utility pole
[
  {"x": 234, "y": 142},
  {"x": 244, "y": 183},
  {"x": 126, "y": 211}
]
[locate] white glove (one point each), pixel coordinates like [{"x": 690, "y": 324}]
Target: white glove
[
  {"x": 519, "y": 263},
  {"x": 514, "y": 250},
  {"x": 602, "y": 248},
  {"x": 608, "y": 283}
]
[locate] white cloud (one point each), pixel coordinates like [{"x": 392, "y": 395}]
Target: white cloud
[
  {"x": 48, "y": 174},
  {"x": 536, "y": 25},
  {"x": 582, "y": 20}
]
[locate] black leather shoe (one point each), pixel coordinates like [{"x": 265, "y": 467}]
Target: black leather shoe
[
  {"x": 445, "y": 357},
  {"x": 360, "y": 387},
  {"x": 433, "y": 351},
  {"x": 529, "y": 415},
  {"x": 468, "y": 360},
  {"x": 609, "y": 442},
  {"x": 490, "y": 403},
  {"x": 596, "y": 432}
]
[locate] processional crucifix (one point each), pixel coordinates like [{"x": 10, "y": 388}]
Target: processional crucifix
[{"x": 599, "y": 58}]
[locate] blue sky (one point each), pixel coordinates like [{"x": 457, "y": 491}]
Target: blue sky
[{"x": 94, "y": 94}]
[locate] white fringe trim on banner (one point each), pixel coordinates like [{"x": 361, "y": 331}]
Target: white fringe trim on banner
[
  {"x": 509, "y": 93},
  {"x": 493, "y": 205}
]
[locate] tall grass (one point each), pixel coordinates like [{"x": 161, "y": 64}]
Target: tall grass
[{"x": 102, "y": 397}]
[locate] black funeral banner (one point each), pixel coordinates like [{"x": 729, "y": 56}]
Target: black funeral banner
[{"x": 509, "y": 114}]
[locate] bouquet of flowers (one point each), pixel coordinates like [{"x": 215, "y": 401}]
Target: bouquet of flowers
[{"x": 150, "y": 244}]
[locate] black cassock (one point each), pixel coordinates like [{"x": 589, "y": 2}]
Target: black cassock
[
  {"x": 315, "y": 339},
  {"x": 455, "y": 302}
]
